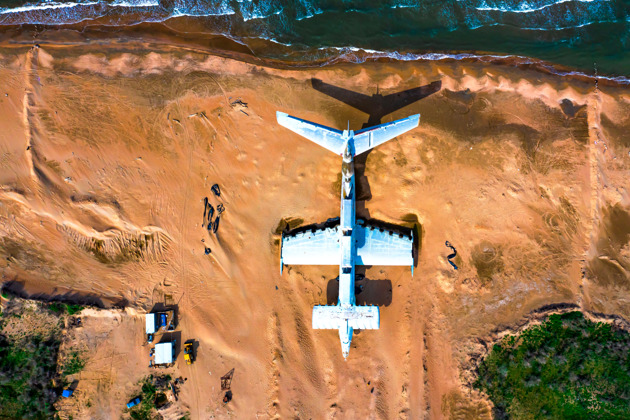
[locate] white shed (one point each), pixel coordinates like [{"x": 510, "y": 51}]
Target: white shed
[
  {"x": 150, "y": 323},
  {"x": 164, "y": 353}
]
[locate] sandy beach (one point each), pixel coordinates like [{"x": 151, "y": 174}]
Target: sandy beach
[{"x": 107, "y": 151}]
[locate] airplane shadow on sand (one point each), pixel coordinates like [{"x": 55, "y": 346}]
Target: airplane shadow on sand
[
  {"x": 367, "y": 291},
  {"x": 376, "y": 106}
]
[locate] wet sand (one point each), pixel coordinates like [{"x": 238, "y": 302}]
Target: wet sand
[{"x": 108, "y": 150}]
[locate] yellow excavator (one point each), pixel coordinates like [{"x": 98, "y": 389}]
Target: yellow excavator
[{"x": 188, "y": 352}]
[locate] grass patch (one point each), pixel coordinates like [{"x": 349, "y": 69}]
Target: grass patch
[
  {"x": 26, "y": 373},
  {"x": 152, "y": 397},
  {"x": 69, "y": 308},
  {"x": 31, "y": 371},
  {"x": 56, "y": 307},
  {"x": 73, "y": 364},
  {"x": 566, "y": 368},
  {"x": 72, "y": 308}
]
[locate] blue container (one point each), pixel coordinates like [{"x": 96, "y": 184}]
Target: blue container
[{"x": 133, "y": 402}]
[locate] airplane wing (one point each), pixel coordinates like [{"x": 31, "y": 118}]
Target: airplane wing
[
  {"x": 368, "y": 138},
  {"x": 326, "y": 137},
  {"x": 376, "y": 246},
  {"x": 319, "y": 247}
]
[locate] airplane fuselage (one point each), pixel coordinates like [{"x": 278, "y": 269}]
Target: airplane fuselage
[
  {"x": 350, "y": 243},
  {"x": 347, "y": 244}
]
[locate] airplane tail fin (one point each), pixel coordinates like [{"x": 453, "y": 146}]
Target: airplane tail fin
[
  {"x": 327, "y": 137},
  {"x": 369, "y": 138}
]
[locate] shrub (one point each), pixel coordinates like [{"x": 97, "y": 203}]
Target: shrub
[
  {"x": 152, "y": 397},
  {"x": 555, "y": 370},
  {"x": 73, "y": 364},
  {"x": 26, "y": 372},
  {"x": 55, "y": 307},
  {"x": 72, "y": 308}
]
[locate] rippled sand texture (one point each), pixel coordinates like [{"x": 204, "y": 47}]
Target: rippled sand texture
[{"x": 106, "y": 155}]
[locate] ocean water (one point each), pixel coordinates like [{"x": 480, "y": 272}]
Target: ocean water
[{"x": 588, "y": 36}]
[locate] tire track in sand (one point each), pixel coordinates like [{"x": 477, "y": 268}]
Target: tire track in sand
[
  {"x": 183, "y": 225},
  {"x": 274, "y": 336},
  {"x": 305, "y": 339},
  {"x": 403, "y": 402},
  {"x": 299, "y": 350}
]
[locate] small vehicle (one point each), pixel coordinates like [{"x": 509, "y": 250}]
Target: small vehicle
[
  {"x": 133, "y": 402},
  {"x": 188, "y": 353}
]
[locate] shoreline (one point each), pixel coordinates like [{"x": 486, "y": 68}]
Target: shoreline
[
  {"x": 110, "y": 136},
  {"x": 264, "y": 52}
]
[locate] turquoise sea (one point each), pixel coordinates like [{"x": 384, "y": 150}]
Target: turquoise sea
[{"x": 587, "y": 36}]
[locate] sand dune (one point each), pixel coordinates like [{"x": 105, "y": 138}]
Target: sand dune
[{"x": 108, "y": 152}]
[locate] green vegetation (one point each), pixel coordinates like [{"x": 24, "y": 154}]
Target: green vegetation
[
  {"x": 565, "y": 368},
  {"x": 56, "y": 307},
  {"x": 151, "y": 396},
  {"x": 30, "y": 366},
  {"x": 72, "y": 308},
  {"x": 26, "y": 372},
  {"x": 69, "y": 308},
  {"x": 73, "y": 364}
]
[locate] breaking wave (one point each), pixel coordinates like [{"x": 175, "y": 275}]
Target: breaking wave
[
  {"x": 359, "y": 55},
  {"x": 570, "y": 32},
  {"x": 527, "y": 6}
]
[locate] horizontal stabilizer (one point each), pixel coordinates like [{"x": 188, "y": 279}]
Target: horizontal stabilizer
[
  {"x": 326, "y": 137},
  {"x": 335, "y": 317},
  {"x": 369, "y": 138}
]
